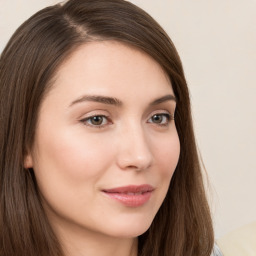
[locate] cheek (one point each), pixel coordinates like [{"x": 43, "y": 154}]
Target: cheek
[
  {"x": 167, "y": 155},
  {"x": 72, "y": 155},
  {"x": 68, "y": 166}
]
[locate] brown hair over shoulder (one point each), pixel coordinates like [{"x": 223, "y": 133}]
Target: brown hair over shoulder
[{"x": 182, "y": 226}]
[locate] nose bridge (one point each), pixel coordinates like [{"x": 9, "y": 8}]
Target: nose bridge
[{"x": 134, "y": 148}]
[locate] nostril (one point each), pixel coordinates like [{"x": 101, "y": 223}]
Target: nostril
[{"x": 136, "y": 168}]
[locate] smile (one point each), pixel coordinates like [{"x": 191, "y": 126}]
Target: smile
[{"x": 131, "y": 196}]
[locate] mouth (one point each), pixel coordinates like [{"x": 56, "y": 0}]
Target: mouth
[{"x": 132, "y": 195}]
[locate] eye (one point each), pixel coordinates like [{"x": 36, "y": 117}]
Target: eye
[
  {"x": 96, "y": 121},
  {"x": 162, "y": 119}
]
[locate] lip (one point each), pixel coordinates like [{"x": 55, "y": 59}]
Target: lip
[{"x": 132, "y": 195}]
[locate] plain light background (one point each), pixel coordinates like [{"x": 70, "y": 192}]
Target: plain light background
[{"x": 216, "y": 40}]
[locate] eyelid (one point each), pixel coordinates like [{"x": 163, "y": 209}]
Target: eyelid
[
  {"x": 85, "y": 120},
  {"x": 164, "y": 113}
]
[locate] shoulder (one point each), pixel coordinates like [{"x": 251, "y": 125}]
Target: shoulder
[
  {"x": 241, "y": 241},
  {"x": 216, "y": 251}
]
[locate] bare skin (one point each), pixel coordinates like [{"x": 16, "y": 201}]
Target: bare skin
[{"x": 107, "y": 122}]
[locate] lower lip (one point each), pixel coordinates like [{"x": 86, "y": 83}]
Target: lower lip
[{"x": 130, "y": 200}]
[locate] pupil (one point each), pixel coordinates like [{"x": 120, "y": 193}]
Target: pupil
[
  {"x": 97, "y": 120},
  {"x": 157, "y": 118}
]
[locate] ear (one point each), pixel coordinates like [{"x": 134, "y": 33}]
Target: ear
[{"x": 28, "y": 161}]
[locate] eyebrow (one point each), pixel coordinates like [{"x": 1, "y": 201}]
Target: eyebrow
[
  {"x": 168, "y": 97},
  {"x": 116, "y": 102},
  {"x": 100, "y": 99}
]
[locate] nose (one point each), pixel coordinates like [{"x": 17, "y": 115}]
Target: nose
[{"x": 134, "y": 151}]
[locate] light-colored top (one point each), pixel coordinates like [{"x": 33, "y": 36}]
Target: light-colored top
[
  {"x": 216, "y": 251},
  {"x": 241, "y": 241}
]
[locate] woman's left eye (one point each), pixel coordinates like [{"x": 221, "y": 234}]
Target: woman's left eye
[{"x": 162, "y": 119}]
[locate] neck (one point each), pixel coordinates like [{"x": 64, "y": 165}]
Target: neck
[
  {"x": 95, "y": 246},
  {"x": 81, "y": 242}
]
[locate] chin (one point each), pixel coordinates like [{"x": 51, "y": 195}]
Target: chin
[{"x": 131, "y": 230}]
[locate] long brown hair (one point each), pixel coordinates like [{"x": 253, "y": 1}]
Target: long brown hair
[{"x": 183, "y": 226}]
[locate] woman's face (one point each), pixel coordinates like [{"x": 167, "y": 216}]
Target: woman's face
[{"x": 106, "y": 144}]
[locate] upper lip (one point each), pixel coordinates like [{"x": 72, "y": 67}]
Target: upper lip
[{"x": 130, "y": 189}]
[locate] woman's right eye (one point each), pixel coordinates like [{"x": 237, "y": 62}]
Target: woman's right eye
[{"x": 97, "y": 121}]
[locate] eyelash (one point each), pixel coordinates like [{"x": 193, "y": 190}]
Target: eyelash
[
  {"x": 167, "y": 116},
  {"x": 88, "y": 120}
]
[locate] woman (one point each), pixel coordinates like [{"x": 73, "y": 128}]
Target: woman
[{"x": 98, "y": 155}]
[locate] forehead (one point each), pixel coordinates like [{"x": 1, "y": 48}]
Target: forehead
[{"x": 110, "y": 67}]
